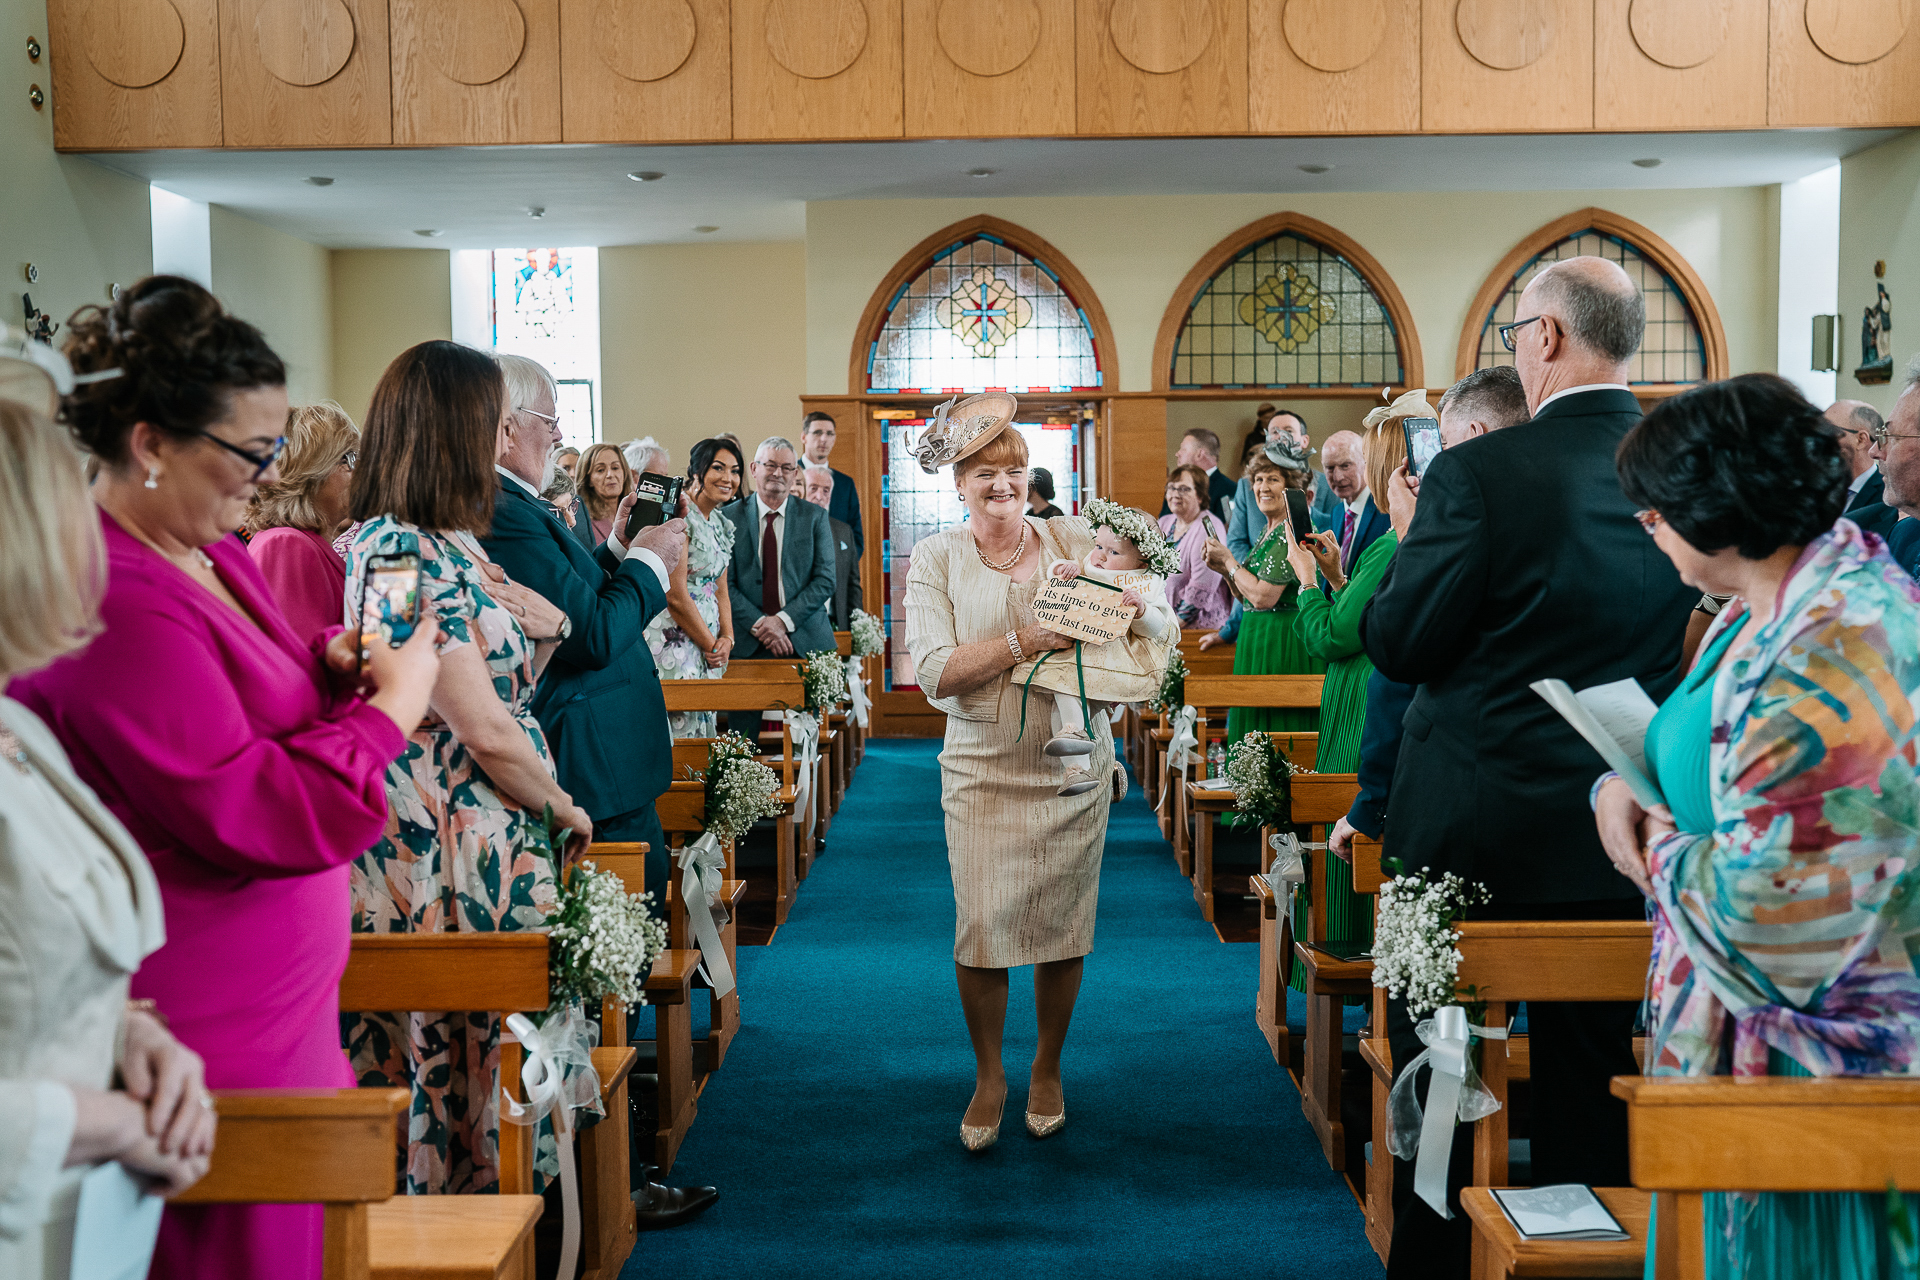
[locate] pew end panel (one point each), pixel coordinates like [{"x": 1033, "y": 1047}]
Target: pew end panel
[{"x": 668, "y": 988}]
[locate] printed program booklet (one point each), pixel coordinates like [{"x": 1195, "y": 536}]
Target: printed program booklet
[
  {"x": 1613, "y": 718},
  {"x": 1569, "y": 1211}
]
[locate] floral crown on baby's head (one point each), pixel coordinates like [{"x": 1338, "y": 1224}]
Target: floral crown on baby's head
[{"x": 1140, "y": 529}]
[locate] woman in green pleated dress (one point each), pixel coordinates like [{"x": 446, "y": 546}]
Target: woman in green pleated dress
[
  {"x": 1269, "y": 592},
  {"x": 1330, "y": 631}
]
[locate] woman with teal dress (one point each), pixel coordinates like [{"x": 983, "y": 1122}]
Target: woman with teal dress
[
  {"x": 1330, "y": 629},
  {"x": 1782, "y": 864}
]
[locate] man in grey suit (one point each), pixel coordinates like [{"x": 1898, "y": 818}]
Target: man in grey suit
[
  {"x": 782, "y": 612},
  {"x": 846, "y": 554}
]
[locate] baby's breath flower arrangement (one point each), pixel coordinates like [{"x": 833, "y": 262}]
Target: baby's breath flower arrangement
[
  {"x": 601, "y": 940},
  {"x": 825, "y": 679},
  {"x": 1139, "y": 528},
  {"x": 869, "y": 637},
  {"x": 1173, "y": 685},
  {"x": 1414, "y": 951},
  {"x": 740, "y": 789},
  {"x": 1258, "y": 774}
]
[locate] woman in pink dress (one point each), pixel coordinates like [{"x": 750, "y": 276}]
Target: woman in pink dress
[
  {"x": 1199, "y": 596},
  {"x": 291, "y": 524},
  {"x": 235, "y": 751}
]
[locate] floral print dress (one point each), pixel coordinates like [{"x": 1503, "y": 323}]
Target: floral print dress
[
  {"x": 675, "y": 655},
  {"x": 451, "y": 860}
]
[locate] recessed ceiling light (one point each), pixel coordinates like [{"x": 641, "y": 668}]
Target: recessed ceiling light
[
  {"x": 647, "y": 175},
  {"x": 1651, "y": 162},
  {"x": 319, "y": 182},
  {"x": 706, "y": 230},
  {"x": 981, "y": 173},
  {"x": 1314, "y": 168},
  {"x": 536, "y": 212},
  {"x": 430, "y": 233}
]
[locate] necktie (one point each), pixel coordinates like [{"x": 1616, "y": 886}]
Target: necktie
[
  {"x": 1346, "y": 535},
  {"x": 769, "y": 568}
]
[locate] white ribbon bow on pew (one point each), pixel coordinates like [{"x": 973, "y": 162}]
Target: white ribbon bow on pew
[
  {"x": 702, "y": 875},
  {"x": 857, "y": 692},
  {"x": 1454, "y": 1093},
  {"x": 1289, "y": 862},
  {"x": 567, "y": 1038},
  {"x": 1182, "y": 748},
  {"x": 806, "y": 745}
]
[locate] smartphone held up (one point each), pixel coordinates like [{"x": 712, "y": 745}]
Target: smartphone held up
[
  {"x": 390, "y": 606},
  {"x": 656, "y": 501},
  {"x": 1423, "y": 444}
]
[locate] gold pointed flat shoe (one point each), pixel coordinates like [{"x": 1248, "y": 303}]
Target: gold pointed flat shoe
[{"x": 1045, "y": 1126}]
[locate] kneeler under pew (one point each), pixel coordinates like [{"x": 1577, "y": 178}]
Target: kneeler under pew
[
  {"x": 756, "y": 687},
  {"x": 1212, "y": 697},
  {"x": 502, "y": 973},
  {"x": 1508, "y": 961}
]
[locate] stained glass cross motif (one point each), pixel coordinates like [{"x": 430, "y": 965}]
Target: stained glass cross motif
[
  {"x": 1286, "y": 308},
  {"x": 983, "y": 311}
]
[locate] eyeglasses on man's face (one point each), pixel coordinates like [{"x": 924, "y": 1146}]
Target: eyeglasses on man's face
[
  {"x": 551, "y": 419},
  {"x": 1880, "y": 435},
  {"x": 787, "y": 469},
  {"x": 261, "y": 462},
  {"x": 1506, "y": 330}
]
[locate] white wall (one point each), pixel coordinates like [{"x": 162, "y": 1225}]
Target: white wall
[
  {"x": 1809, "y": 276},
  {"x": 282, "y": 285},
  {"x": 1880, "y": 221}
]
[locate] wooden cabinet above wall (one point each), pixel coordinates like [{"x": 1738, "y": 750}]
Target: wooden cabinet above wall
[
  {"x": 134, "y": 73},
  {"x": 1843, "y": 62},
  {"x": 305, "y": 73},
  {"x": 1506, "y": 66},
  {"x": 1333, "y": 66},
  {"x": 646, "y": 70},
  {"x": 816, "y": 69},
  {"x": 1162, "y": 66},
  {"x": 475, "y": 71},
  {"x": 989, "y": 68},
  {"x": 1679, "y": 64}
]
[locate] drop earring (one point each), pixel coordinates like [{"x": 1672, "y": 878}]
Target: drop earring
[{"x": 153, "y": 477}]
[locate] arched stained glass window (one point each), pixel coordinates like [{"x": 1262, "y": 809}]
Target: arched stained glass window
[
  {"x": 983, "y": 316},
  {"x": 1672, "y": 350},
  {"x": 1287, "y": 312}
]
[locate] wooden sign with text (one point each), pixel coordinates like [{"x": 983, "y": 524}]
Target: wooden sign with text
[{"x": 1082, "y": 609}]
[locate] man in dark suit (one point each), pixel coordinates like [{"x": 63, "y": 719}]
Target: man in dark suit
[
  {"x": 1201, "y": 448},
  {"x": 781, "y": 609},
  {"x": 599, "y": 699},
  {"x": 1858, "y": 422},
  {"x": 817, "y": 434},
  {"x": 1524, "y": 561},
  {"x": 846, "y": 561}
]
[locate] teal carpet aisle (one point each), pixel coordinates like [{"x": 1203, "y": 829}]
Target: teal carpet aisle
[{"x": 833, "y": 1130}]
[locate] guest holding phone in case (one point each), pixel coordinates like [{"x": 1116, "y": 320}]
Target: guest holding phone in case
[{"x": 239, "y": 754}]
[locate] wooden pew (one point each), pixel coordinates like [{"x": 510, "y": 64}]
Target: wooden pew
[
  {"x": 1686, "y": 1137},
  {"x": 779, "y": 752},
  {"x": 1213, "y": 696},
  {"x": 1499, "y": 1250},
  {"x": 1205, "y": 800}
]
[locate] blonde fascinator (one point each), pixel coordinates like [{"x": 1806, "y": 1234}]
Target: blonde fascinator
[
  {"x": 962, "y": 429},
  {"x": 1410, "y": 404}
]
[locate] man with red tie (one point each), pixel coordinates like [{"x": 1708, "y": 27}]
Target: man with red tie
[
  {"x": 782, "y": 572},
  {"x": 1358, "y": 521}
]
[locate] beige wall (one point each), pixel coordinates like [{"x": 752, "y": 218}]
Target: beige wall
[
  {"x": 1437, "y": 246},
  {"x": 1879, "y": 220},
  {"x": 698, "y": 339},
  {"x": 384, "y": 301},
  {"x": 82, "y": 225},
  {"x": 282, "y": 285}
]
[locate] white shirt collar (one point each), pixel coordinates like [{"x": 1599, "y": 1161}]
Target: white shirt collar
[
  {"x": 516, "y": 479},
  {"x": 1574, "y": 391},
  {"x": 764, "y": 510},
  {"x": 1863, "y": 477},
  {"x": 1359, "y": 505}
]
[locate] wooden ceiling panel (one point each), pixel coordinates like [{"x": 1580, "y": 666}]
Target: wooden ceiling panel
[
  {"x": 306, "y": 73},
  {"x": 1506, "y": 66},
  {"x": 989, "y": 68},
  {"x": 1843, "y": 62},
  {"x": 646, "y": 70},
  {"x": 470, "y": 72},
  {"x": 817, "y": 69},
  {"x": 1161, "y": 66},
  {"x": 1679, "y": 64},
  {"x": 1333, "y": 66},
  {"x": 129, "y": 74}
]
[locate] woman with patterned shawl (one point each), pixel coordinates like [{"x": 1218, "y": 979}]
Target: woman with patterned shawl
[{"x": 1782, "y": 867}]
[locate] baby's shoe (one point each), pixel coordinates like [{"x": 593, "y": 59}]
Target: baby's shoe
[
  {"x": 1078, "y": 782},
  {"x": 1071, "y": 743}
]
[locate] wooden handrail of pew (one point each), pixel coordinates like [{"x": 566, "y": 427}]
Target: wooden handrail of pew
[
  {"x": 1513, "y": 960},
  {"x": 301, "y": 1146},
  {"x": 1254, "y": 690},
  {"x": 389, "y": 971},
  {"x": 756, "y": 684}
]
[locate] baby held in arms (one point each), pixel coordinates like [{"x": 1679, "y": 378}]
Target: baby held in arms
[{"x": 1131, "y": 555}]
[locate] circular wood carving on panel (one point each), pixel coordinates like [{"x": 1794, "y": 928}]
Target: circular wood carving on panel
[
  {"x": 1334, "y": 35},
  {"x": 133, "y": 43},
  {"x": 304, "y": 42},
  {"x": 473, "y": 41},
  {"x": 1679, "y": 33},
  {"x": 643, "y": 39},
  {"x": 988, "y": 37},
  {"x": 1857, "y": 31},
  {"x": 1505, "y": 34},
  {"x": 816, "y": 40},
  {"x": 1162, "y": 36}
]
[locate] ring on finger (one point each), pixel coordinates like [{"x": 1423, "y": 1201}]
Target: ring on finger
[{"x": 206, "y": 1100}]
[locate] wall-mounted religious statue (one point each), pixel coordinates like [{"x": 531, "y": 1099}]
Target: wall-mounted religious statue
[{"x": 1876, "y": 347}]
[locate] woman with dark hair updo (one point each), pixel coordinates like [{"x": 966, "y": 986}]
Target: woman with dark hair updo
[
  {"x": 1782, "y": 864},
  {"x": 692, "y": 638},
  {"x": 236, "y": 751},
  {"x": 1040, "y": 494}
]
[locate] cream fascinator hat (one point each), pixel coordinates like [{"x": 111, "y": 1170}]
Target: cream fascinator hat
[
  {"x": 960, "y": 430},
  {"x": 1411, "y": 404}
]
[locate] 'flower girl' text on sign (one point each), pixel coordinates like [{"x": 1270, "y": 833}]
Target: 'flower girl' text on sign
[{"x": 1082, "y": 609}]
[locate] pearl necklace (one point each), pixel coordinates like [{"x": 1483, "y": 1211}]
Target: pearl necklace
[{"x": 1018, "y": 551}]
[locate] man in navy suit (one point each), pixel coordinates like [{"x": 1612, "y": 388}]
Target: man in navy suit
[
  {"x": 783, "y": 610},
  {"x": 598, "y": 701},
  {"x": 817, "y": 434}
]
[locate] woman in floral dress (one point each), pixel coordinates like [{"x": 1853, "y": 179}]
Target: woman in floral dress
[
  {"x": 692, "y": 639},
  {"x": 476, "y": 772}
]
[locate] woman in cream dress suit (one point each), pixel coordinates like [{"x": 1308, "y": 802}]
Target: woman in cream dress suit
[
  {"x": 84, "y": 1078},
  {"x": 1025, "y": 861}
]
